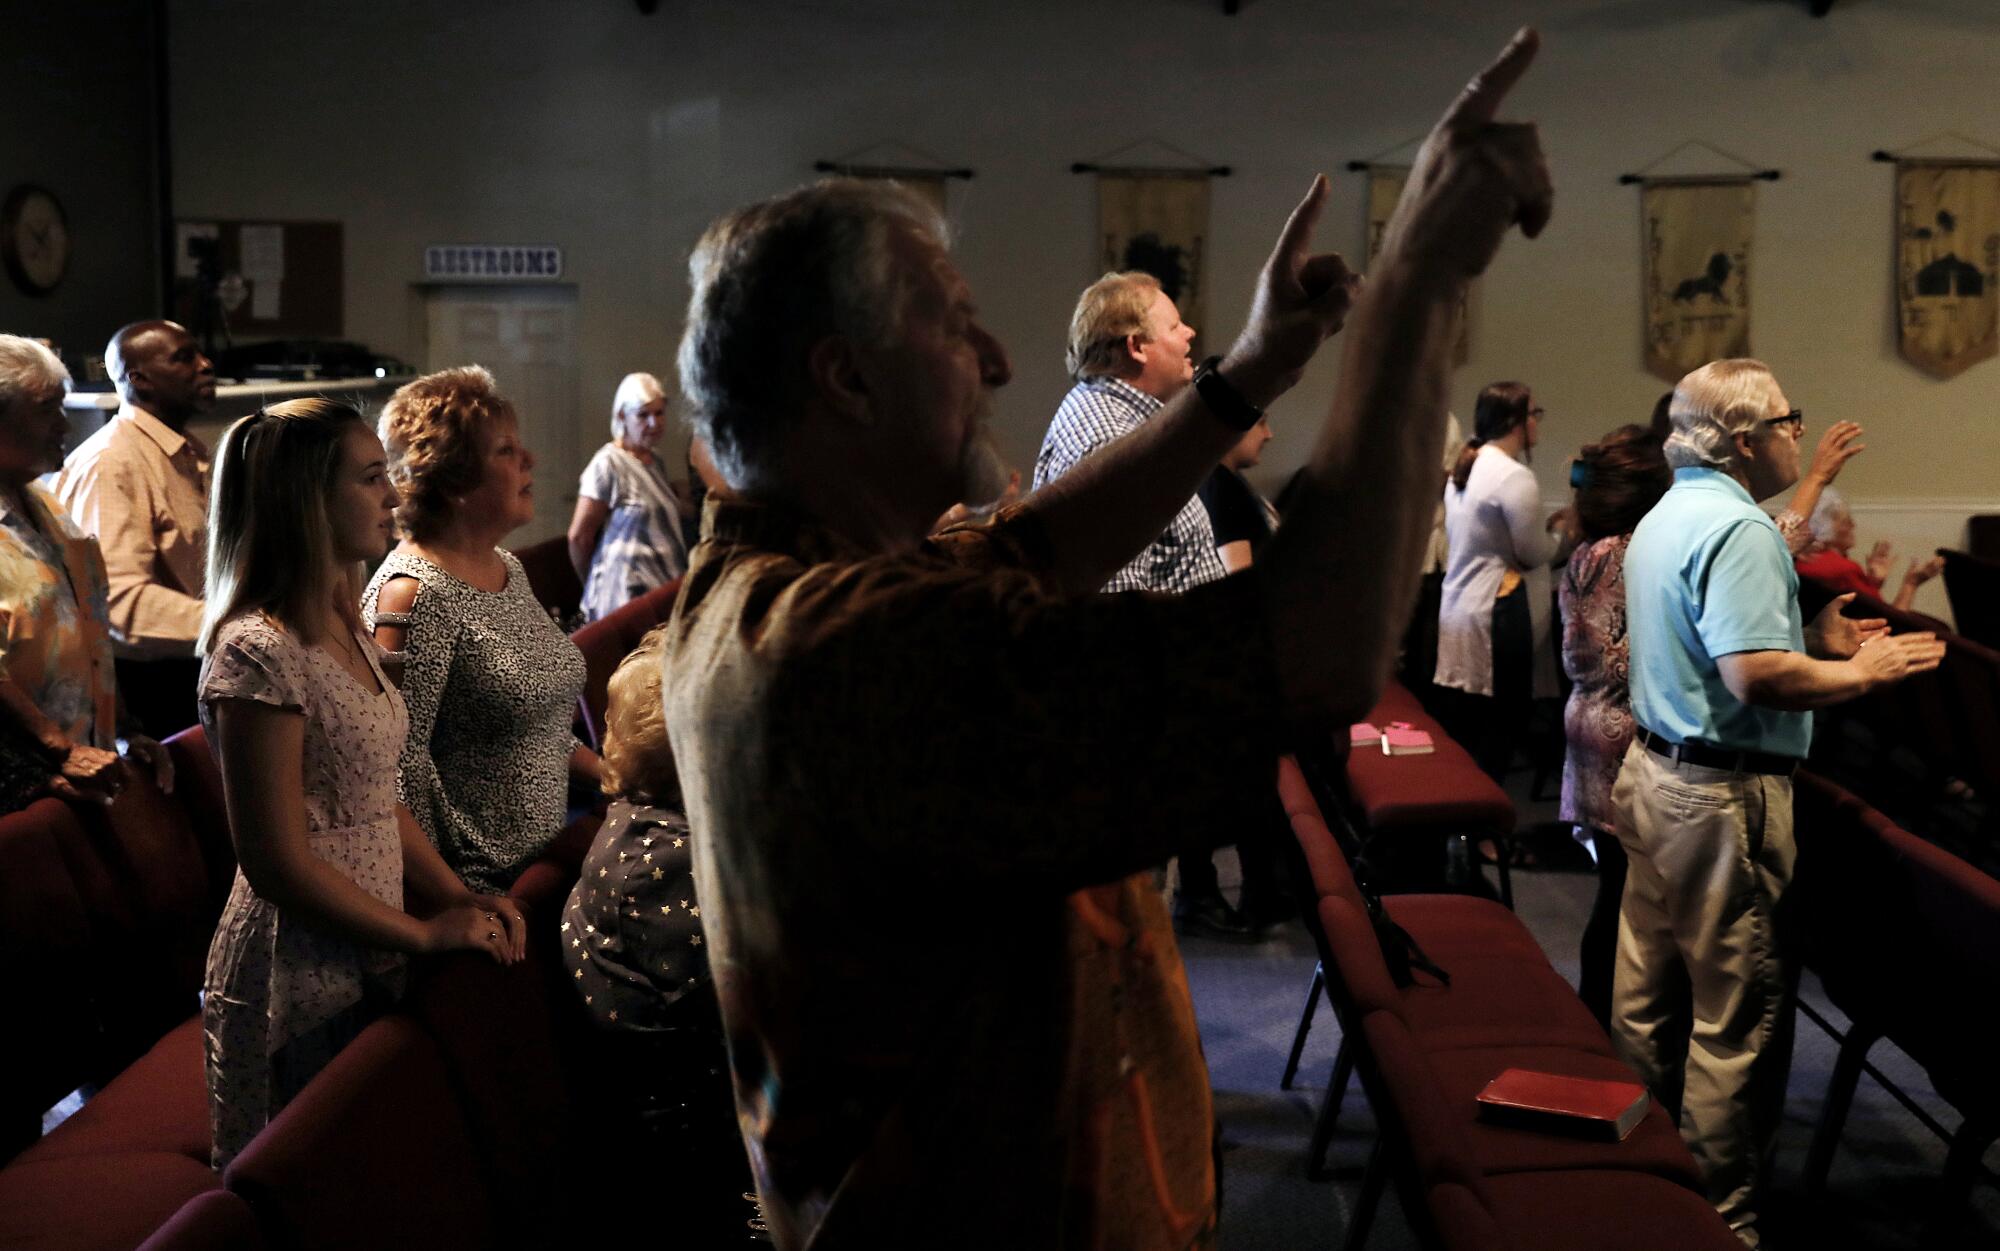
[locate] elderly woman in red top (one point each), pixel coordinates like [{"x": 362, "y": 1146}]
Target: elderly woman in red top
[{"x": 1826, "y": 560}]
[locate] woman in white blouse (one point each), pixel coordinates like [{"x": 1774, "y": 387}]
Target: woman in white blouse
[{"x": 1494, "y": 646}]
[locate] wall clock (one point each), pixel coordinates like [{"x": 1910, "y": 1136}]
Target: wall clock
[{"x": 34, "y": 238}]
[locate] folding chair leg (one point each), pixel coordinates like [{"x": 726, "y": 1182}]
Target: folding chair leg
[
  {"x": 1329, "y": 1112},
  {"x": 1961, "y": 1166},
  {"x": 1833, "y": 1112},
  {"x": 1305, "y": 1027},
  {"x": 1373, "y": 1182}
]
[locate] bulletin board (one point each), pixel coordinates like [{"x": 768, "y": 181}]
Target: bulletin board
[{"x": 274, "y": 279}]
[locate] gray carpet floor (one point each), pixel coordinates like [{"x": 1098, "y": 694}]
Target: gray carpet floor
[{"x": 1248, "y": 997}]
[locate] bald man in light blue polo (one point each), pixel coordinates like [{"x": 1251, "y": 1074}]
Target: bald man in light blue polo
[{"x": 1724, "y": 678}]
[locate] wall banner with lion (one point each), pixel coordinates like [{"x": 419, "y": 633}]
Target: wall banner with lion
[{"x": 1694, "y": 261}]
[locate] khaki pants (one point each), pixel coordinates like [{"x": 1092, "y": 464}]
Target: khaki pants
[{"x": 1701, "y": 999}]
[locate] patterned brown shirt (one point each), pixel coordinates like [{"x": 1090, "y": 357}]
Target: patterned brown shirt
[{"x": 926, "y": 789}]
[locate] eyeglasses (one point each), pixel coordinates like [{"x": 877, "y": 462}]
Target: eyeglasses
[
  {"x": 1792, "y": 423},
  {"x": 1537, "y": 411}
]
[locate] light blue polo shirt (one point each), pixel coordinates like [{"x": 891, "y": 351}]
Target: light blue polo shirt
[{"x": 1708, "y": 574}]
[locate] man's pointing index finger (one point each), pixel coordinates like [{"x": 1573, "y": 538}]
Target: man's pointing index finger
[{"x": 1479, "y": 103}]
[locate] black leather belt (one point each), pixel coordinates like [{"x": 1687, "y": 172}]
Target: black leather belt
[{"x": 1719, "y": 757}]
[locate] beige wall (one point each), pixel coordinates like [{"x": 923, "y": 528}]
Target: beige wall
[{"x": 618, "y": 136}]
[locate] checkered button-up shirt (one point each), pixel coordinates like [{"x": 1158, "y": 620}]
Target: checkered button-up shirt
[{"x": 1098, "y": 411}]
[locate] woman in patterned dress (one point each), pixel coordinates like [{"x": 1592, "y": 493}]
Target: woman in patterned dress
[
  {"x": 626, "y": 537},
  {"x": 1618, "y": 480},
  {"x": 307, "y": 730},
  {"x": 491, "y": 682}
]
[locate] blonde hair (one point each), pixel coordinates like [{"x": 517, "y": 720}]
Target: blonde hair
[
  {"x": 638, "y": 760},
  {"x": 1108, "y": 310},
  {"x": 1713, "y": 405},
  {"x": 435, "y": 431},
  {"x": 635, "y": 391},
  {"x": 270, "y": 536}
]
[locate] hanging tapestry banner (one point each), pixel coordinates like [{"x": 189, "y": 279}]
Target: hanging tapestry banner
[
  {"x": 1385, "y": 189},
  {"x": 1158, "y": 223},
  {"x": 1695, "y": 261},
  {"x": 1947, "y": 264},
  {"x": 926, "y": 187}
]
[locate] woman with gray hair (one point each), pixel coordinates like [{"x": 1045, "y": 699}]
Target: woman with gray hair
[
  {"x": 625, "y": 538},
  {"x": 1826, "y": 560},
  {"x": 59, "y": 709}
]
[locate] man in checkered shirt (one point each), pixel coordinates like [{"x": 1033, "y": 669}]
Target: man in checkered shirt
[{"x": 1128, "y": 351}]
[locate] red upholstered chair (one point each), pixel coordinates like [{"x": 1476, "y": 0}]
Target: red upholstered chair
[
  {"x": 145, "y": 882},
  {"x": 198, "y": 790},
  {"x": 214, "y": 1220},
  {"x": 45, "y": 971},
  {"x": 1596, "y": 1210},
  {"x": 1431, "y": 1126},
  {"x": 1447, "y": 927},
  {"x": 1972, "y": 584},
  {"x": 1440, "y": 794},
  {"x": 606, "y": 642},
  {"x": 1982, "y": 535},
  {"x": 552, "y": 578},
  {"x": 496, "y": 1030},
  {"x": 1900, "y": 931},
  {"x": 125, "y": 1162},
  {"x": 374, "y": 1152}
]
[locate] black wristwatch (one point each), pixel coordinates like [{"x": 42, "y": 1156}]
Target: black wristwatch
[{"x": 1224, "y": 400}]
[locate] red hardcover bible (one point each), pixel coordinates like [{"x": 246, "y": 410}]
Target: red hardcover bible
[{"x": 1581, "y": 1106}]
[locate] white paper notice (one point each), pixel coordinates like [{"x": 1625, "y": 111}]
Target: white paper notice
[
  {"x": 183, "y": 232},
  {"x": 262, "y": 253},
  {"x": 264, "y": 299}
]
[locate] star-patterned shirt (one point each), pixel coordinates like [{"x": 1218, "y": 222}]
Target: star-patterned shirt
[
  {"x": 631, "y": 932},
  {"x": 1102, "y": 410},
  {"x": 929, "y": 787}
]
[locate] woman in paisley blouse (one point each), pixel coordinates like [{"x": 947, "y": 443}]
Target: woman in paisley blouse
[
  {"x": 1618, "y": 480},
  {"x": 490, "y": 680},
  {"x": 59, "y": 708}
]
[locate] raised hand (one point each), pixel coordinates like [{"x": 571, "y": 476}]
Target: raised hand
[
  {"x": 1840, "y": 444},
  {"x": 1473, "y": 179},
  {"x": 1878, "y": 560},
  {"x": 1921, "y": 572},
  {"x": 1301, "y": 301}
]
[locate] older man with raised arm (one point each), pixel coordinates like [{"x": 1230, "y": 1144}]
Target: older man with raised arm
[
  {"x": 928, "y": 775},
  {"x": 139, "y": 485},
  {"x": 1723, "y": 680}
]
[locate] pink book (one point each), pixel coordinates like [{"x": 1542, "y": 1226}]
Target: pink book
[
  {"x": 1400, "y": 738},
  {"x": 1363, "y": 733}
]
